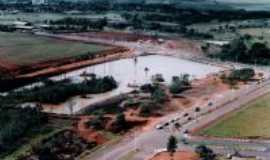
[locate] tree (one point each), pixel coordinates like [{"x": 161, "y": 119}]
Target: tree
[
  {"x": 259, "y": 50},
  {"x": 244, "y": 74},
  {"x": 120, "y": 123},
  {"x": 172, "y": 145},
  {"x": 146, "y": 70},
  {"x": 148, "y": 108},
  {"x": 244, "y": 50},
  {"x": 97, "y": 123},
  {"x": 158, "y": 96},
  {"x": 179, "y": 84},
  {"x": 205, "y": 153},
  {"x": 197, "y": 109},
  {"x": 137, "y": 21}
]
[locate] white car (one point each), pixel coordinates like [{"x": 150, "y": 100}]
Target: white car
[{"x": 159, "y": 126}]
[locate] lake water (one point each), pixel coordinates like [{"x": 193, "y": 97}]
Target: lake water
[{"x": 126, "y": 71}]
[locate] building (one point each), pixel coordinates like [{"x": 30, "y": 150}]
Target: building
[
  {"x": 22, "y": 26},
  {"x": 39, "y": 2}
]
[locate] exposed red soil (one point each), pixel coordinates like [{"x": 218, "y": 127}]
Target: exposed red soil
[
  {"x": 51, "y": 67},
  {"x": 179, "y": 155},
  {"x": 184, "y": 44},
  {"x": 65, "y": 65},
  {"x": 91, "y": 135},
  {"x": 204, "y": 89},
  {"x": 7, "y": 66},
  {"x": 87, "y": 133}
]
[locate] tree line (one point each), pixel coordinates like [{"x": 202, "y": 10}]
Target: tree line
[
  {"x": 55, "y": 92},
  {"x": 244, "y": 50}
]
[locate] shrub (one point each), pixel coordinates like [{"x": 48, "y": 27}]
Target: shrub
[
  {"x": 180, "y": 84},
  {"x": 158, "y": 95},
  {"x": 205, "y": 153},
  {"x": 147, "y": 88},
  {"x": 120, "y": 123},
  {"x": 148, "y": 108},
  {"x": 244, "y": 74},
  {"x": 96, "y": 123}
]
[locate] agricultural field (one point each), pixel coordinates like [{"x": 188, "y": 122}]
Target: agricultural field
[
  {"x": 21, "y": 49},
  {"x": 257, "y": 32},
  {"x": 252, "y": 121},
  {"x": 40, "y": 18}
]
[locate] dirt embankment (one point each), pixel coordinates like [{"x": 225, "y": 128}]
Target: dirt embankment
[
  {"x": 29, "y": 74},
  {"x": 179, "y": 155},
  {"x": 54, "y": 68}
]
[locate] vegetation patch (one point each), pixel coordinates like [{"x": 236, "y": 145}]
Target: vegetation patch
[
  {"x": 246, "y": 50},
  {"x": 238, "y": 75},
  {"x": 65, "y": 145},
  {"x": 59, "y": 91},
  {"x": 16, "y": 124},
  {"x": 180, "y": 84},
  {"x": 250, "y": 122}
]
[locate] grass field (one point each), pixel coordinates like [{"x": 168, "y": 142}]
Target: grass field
[
  {"x": 26, "y": 49},
  {"x": 253, "y": 121}
]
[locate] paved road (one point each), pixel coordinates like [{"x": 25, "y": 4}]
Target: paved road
[{"x": 149, "y": 142}]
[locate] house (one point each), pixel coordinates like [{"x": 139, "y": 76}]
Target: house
[{"x": 22, "y": 25}]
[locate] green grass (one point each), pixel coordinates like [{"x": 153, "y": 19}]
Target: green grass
[
  {"x": 129, "y": 155},
  {"x": 26, "y": 49},
  {"x": 223, "y": 158},
  {"x": 252, "y": 121}
]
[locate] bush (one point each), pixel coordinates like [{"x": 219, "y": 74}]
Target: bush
[
  {"x": 147, "y": 88},
  {"x": 96, "y": 123},
  {"x": 120, "y": 123},
  {"x": 148, "y": 108},
  {"x": 244, "y": 74},
  {"x": 158, "y": 95},
  {"x": 180, "y": 84},
  {"x": 157, "y": 78},
  {"x": 205, "y": 153},
  {"x": 66, "y": 145}
]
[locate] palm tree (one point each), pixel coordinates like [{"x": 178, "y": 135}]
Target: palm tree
[
  {"x": 146, "y": 70},
  {"x": 135, "y": 60}
]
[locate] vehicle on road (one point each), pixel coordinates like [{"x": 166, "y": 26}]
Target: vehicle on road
[
  {"x": 185, "y": 114},
  {"x": 159, "y": 126}
]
